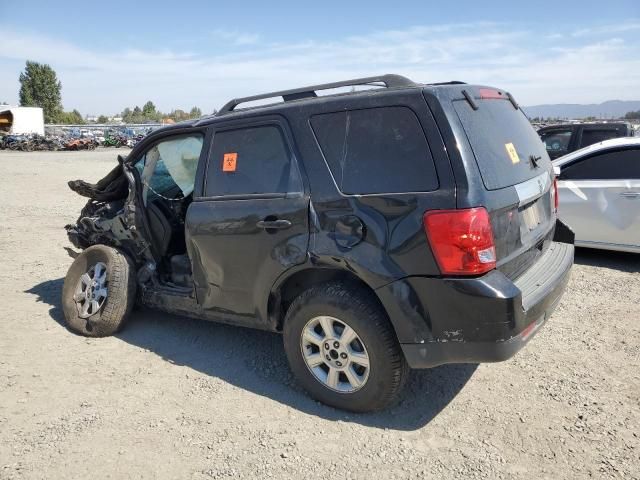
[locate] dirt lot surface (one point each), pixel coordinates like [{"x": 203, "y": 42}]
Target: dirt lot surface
[{"x": 176, "y": 398}]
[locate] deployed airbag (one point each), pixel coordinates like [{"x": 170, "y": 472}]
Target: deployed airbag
[{"x": 181, "y": 159}]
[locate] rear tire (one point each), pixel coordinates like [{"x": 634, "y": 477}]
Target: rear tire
[
  {"x": 99, "y": 291},
  {"x": 316, "y": 323}
]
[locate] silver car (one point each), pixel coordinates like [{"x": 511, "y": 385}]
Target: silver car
[{"x": 599, "y": 193}]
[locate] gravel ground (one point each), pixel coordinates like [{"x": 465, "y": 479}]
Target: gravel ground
[{"x": 176, "y": 398}]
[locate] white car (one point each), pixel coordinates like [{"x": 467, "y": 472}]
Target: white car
[{"x": 599, "y": 193}]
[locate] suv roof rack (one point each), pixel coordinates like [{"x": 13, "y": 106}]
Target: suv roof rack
[
  {"x": 452, "y": 82},
  {"x": 389, "y": 81}
]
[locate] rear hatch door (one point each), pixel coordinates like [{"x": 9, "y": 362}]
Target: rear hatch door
[{"x": 510, "y": 157}]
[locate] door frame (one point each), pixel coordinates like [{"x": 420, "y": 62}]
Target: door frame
[
  {"x": 236, "y": 124},
  {"x": 134, "y": 157}
]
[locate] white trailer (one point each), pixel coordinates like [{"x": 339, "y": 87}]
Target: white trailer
[{"x": 21, "y": 120}]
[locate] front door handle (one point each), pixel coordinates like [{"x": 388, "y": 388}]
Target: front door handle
[
  {"x": 273, "y": 224},
  {"x": 630, "y": 194}
]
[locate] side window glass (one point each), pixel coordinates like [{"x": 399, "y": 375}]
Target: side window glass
[
  {"x": 168, "y": 169},
  {"x": 376, "y": 150},
  {"x": 590, "y": 136},
  {"x": 615, "y": 165},
  {"x": 556, "y": 142},
  {"x": 250, "y": 161}
]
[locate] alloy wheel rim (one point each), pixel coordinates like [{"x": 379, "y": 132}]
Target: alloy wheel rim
[
  {"x": 335, "y": 354},
  {"x": 91, "y": 292}
]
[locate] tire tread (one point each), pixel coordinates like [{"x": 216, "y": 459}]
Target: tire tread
[
  {"x": 120, "y": 299},
  {"x": 361, "y": 302}
]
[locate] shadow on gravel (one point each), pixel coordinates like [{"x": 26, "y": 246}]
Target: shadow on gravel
[
  {"x": 625, "y": 262},
  {"x": 255, "y": 361},
  {"x": 49, "y": 292}
]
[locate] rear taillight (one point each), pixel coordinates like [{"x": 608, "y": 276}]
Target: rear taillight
[
  {"x": 461, "y": 240},
  {"x": 554, "y": 194}
]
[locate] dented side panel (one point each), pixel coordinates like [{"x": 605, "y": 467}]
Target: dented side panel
[{"x": 235, "y": 260}]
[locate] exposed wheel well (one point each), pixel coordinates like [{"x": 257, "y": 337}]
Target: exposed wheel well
[{"x": 300, "y": 281}]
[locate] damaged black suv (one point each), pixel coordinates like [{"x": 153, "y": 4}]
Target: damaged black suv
[{"x": 399, "y": 225}]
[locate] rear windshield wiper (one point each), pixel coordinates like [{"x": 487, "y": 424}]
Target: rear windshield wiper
[{"x": 470, "y": 99}]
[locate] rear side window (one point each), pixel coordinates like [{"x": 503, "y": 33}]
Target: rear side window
[
  {"x": 591, "y": 136},
  {"x": 502, "y": 140},
  {"x": 614, "y": 165},
  {"x": 376, "y": 150},
  {"x": 251, "y": 161}
]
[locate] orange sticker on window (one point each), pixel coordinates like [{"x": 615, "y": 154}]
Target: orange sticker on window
[{"x": 229, "y": 162}]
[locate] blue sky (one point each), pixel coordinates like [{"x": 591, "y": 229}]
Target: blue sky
[{"x": 114, "y": 54}]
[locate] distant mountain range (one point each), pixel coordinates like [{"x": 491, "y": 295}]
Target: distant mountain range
[{"x": 608, "y": 109}]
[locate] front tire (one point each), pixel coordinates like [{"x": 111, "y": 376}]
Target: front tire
[
  {"x": 342, "y": 348},
  {"x": 99, "y": 291}
]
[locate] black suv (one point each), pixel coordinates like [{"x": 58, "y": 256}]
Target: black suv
[
  {"x": 562, "y": 139},
  {"x": 405, "y": 225}
]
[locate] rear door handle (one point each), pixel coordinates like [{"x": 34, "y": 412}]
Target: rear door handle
[
  {"x": 273, "y": 224},
  {"x": 630, "y": 194}
]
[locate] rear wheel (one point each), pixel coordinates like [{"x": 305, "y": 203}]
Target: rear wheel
[
  {"x": 99, "y": 291},
  {"x": 342, "y": 348}
]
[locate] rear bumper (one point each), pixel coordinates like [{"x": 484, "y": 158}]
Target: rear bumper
[{"x": 484, "y": 319}]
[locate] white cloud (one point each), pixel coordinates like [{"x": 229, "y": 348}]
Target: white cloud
[
  {"x": 526, "y": 62},
  {"x": 235, "y": 37},
  {"x": 607, "y": 29}
]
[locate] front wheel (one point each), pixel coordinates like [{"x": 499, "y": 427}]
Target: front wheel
[
  {"x": 342, "y": 348},
  {"x": 99, "y": 291}
]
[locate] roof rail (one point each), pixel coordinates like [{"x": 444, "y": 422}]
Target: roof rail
[
  {"x": 389, "y": 81},
  {"x": 452, "y": 82}
]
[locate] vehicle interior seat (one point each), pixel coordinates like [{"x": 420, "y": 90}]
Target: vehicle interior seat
[{"x": 161, "y": 228}]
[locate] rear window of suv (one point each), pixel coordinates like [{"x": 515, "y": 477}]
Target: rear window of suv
[
  {"x": 376, "y": 150},
  {"x": 502, "y": 140}
]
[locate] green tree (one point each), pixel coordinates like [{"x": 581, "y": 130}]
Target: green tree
[
  {"x": 195, "y": 113},
  {"x": 102, "y": 119},
  {"x": 40, "y": 87},
  {"x": 632, "y": 115},
  {"x": 178, "y": 115},
  {"x": 150, "y": 112},
  {"x": 77, "y": 116},
  {"x": 70, "y": 118},
  {"x": 136, "y": 115},
  {"x": 149, "y": 109},
  {"x": 133, "y": 116}
]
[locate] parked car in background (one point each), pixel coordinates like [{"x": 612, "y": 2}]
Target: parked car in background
[
  {"x": 562, "y": 139},
  {"x": 599, "y": 191}
]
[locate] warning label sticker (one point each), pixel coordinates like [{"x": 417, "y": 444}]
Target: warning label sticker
[
  {"x": 513, "y": 155},
  {"x": 229, "y": 162}
]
